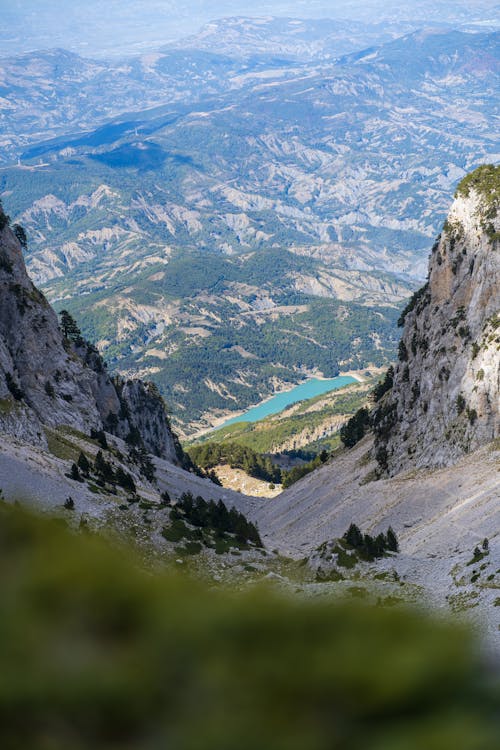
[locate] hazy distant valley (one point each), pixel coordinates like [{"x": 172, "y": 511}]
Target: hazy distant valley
[{"x": 253, "y": 217}]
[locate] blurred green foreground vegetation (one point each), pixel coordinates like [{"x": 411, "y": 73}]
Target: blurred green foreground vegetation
[{"x": 97, "y": 653}]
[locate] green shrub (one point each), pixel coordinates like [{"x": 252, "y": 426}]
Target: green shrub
[
  {"x": 354, "y": 430},
  {"x": 13, "y": 387},
  {"x": 418, "y": 300},
  {"x": 21, "y": 235},
  {"x": 95, "y": 653},
  {"x": 4, "y": 219},
  {"x": 385, "y": 385}
]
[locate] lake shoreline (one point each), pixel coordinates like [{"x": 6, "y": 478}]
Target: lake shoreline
[{"x": 356, "y": 375}]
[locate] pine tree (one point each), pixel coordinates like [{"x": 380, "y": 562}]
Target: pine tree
[
  {"x": 125, "y": 480},
  {"x": 103, "y": 468},
  {"x": 381, "y": 545},
  {"x": 353, "y": 536},
  {"x": 21, "y": 235},
  {"x": 392, "y": 540},
  {"x": 83, "y": 464},
  {"x": 70, "y": 329},
  {"x": 354, "y": 430},
  {"x": 369, "y": 546},
  {"x": 165, "y": 498},
  {"x": 100, "y": 436},
  {"x": 74, "y": 473}
]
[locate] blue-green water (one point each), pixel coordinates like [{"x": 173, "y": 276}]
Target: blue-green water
[{"x": 309, "y": 389}]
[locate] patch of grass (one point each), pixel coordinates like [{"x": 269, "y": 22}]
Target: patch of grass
[
  {"x": 332, "y": 576},
  {"x": 372, "y": 476},
  {"x": 478, "y": 556},
  {"x": 464, "y": 601},
  {"x": 66, "y": 429},
  {"x": 346, "y": 560},
  {"x": 6, "y": 405},
  {"x": 387, "y": 575},
  {"x": 222, "y": 546},
  {"x": 176, "y": 531},
  {"x": 60, "y": 447}
]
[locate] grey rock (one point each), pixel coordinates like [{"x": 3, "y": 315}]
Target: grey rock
[
  {"x": 45, "y": 380},
  {"x": 445, "y": 399}
]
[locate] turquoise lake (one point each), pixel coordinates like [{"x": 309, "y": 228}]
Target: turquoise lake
[{"x": 274, "y": 405}]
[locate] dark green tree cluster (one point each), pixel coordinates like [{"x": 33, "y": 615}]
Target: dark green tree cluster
[
  {"x": 419, "y": 296},
  {"x": 297, "y": 472},
  {"x": 252, "y": 463},
  {"x": 141, "y": 458},
  {"x": 13, "y": 386},
  {"x": 21, "y": 235},
  {"x": 70, "y": 330},
  {"x": 4, "y": 219},
  {"x": 103, "y": 470},
  {"x": 101, "y": 438},
  {"x": 355, "y": 428},
  {"x": 237, "y": 456},
  {"x": 371, "y": 547},
  {"x": 384, "y": 385},
  {"x": 217, "y": 517}
]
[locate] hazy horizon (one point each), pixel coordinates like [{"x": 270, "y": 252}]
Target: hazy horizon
[{"x": 118, "y": 28}]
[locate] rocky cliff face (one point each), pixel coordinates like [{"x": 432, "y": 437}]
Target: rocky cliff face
[
  {"x": 47, "y": 380},
  {"x": 445, "y": 398}
]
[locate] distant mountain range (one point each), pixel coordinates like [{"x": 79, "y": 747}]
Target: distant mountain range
[
  {"x": 246, "y": 219},
  {"x": 118, "y": 29}
]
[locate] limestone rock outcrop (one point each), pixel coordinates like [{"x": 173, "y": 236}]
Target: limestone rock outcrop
[
  {"x": 444, "y": 401},
  {"x": 47, "y": 380}
]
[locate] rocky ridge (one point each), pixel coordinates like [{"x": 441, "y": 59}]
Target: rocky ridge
[
  {"x": 49, "y": 380},
  {"x": 444, "y": 402}
]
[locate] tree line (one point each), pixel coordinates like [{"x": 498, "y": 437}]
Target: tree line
[{"x": 215, "y": 515}]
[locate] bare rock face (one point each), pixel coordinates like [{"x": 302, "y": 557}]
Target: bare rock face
[
  {"x": 46, "y": 380},
  {"x": 39, "y": 378},
  {"x": 147, "y": 419},
  {"x": 445, "y": 398}
]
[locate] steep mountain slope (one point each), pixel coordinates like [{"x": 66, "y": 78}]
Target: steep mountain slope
[
  {"x": 442, "y": 413},
  {"x": 48, "y": 380},
  {"x": 95, "y": 449},
  {"x": 435, "y": 512},
  {"x": 445, "y": 399}
]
